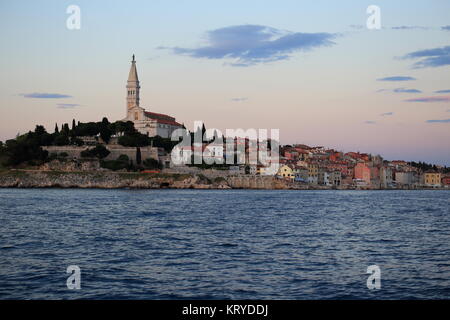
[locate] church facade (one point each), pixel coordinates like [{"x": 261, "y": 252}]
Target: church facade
[{"x": 149, "y": 123}]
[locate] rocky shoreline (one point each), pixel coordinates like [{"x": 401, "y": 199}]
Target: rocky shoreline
[
  {"x": 124, "y": 180},
  {"x": 132, "y": 180}
]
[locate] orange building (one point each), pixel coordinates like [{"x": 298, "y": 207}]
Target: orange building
[{"x": 446, "y": 181}]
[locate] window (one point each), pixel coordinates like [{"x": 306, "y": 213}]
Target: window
[{"x": 136, "y": 116}]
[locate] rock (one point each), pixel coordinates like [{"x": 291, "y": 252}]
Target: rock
[{"x": 63, "y": 178}]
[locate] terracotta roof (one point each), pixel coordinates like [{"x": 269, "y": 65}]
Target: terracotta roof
[{"x": 162, "y": 118}]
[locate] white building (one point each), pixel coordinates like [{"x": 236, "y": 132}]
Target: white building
[
  {"x": 335, "y": 178},
  {"x": 405, "y": 178},
  {"x": 149, "y": 123},
  {"x": 386, "y": 177},
  {"x": 324, "y": 178}
]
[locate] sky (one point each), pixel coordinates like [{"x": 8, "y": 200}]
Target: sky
[{"x": 313, "y": 70}]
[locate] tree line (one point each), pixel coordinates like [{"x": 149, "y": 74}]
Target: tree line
[{"x": 27, "y": 148}]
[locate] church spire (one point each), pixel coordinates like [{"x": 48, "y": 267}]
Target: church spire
[
  {"x": 133, "y": 86},
  {"x": 133, "y": 76}
]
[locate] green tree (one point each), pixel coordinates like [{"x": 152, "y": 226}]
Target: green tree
[
  {"x": 23, "y": 149},
  {"x": 151, "y": 163},
  {"x": 121, "y": 127},
  {"x": 62, "y": 140},
  {"x": 123, "y": 158},
  {"x": 122, "y": 162},
  {"x": 40, "y": 130},
  {"x": 105, "y": 134},
  {"x": 106, "y": 130},
  {"x": 99, "y": 151},
  {"x": 135, "y": 139}
]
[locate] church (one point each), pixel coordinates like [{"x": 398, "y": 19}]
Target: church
[{"x": 150, "y": 123}]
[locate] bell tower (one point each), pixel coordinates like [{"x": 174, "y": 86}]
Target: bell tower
[{"x": 133, "y": 87}]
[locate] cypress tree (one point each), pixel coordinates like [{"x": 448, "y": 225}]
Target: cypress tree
[
  {"x": 65, "y": 128},
  {"x": 138, "y": 156},
  {"x": 56, "y": 128},
  {"x": 203, "y": 130}
]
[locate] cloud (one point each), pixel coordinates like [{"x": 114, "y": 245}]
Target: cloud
[
  {"x": 403, "y": 90},
  {"x": 409, "y": 27},
  {"x": 446, "y": 28},
  {"x": 439, "y": 121},
  {"x": 387, "y": 114},
  {"x": 400, "y": 90},
  {"x": 239, "y": 99},
  {"x": 247, "y": 45},
  {"x": 45, "y": 95},
  {"x": 369, "y": 122},
  {"x": 430, "y": 99},
  {"x": 435, "y": 57},
  {"x": 442, "y": 91},
  {"x": 397, "y": 78},
  {"x": 67, "y": 105}
]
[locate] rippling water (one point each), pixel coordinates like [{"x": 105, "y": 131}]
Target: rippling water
[{"x": 231, "y": 244}]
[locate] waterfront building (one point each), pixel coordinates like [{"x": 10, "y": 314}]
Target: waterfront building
[
  {"x": 386, "y": 177},
  {"x": 335, "y": 178},
  {"x": 362, "y": 172},
  {"x": 323, "y": 178},
  {"x": 432, "y": 179},
  {"x": 313, "y": 173},
  {"x": 301, "y": 173},
  {"x": 405, "y": 178},
  {"x": 446, "y": 181},
  {"x": 286, "y": 171}
]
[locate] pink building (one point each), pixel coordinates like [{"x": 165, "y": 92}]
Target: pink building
[{"x": 362, "y": 171}]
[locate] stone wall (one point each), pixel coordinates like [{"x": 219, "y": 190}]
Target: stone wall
[
  {"x": 210, "y": 173},
  {"x": 256, "y": 182},
  {"x": 116, "y": 151}
]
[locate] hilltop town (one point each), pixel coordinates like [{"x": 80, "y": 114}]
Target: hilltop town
[
  {"x": 102, "y": 147},
  {"x": 142, "y": 143}
]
